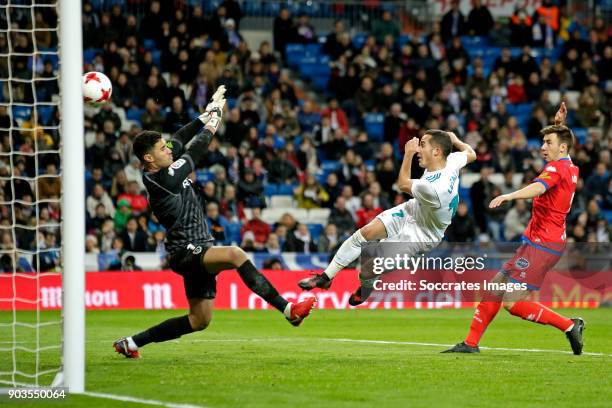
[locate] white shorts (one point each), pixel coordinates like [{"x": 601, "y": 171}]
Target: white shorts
[{"x": 402, "y": 227}]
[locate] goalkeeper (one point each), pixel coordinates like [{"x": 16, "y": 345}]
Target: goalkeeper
[{"x": 177, "y": 203}]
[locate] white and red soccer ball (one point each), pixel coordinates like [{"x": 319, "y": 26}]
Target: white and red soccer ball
[{"x": 97, "y": 88}]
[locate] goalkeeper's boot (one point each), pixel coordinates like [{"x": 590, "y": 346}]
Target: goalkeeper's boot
[
  {"x": 575, "y": 335},
  {"x": 301, "y": 310},
  {"x": 462, "y": 348},
  {"x": 320, "y": 281},
  {"x": 360, "y": 295},
  {"x": 122, "y": 346}
]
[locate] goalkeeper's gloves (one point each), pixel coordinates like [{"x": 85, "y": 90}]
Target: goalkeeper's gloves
[{"x": 214, "y": 108}]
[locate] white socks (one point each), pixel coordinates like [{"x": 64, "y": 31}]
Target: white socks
[
  {"x": 348, "y": 252},
  {"x": 287, "y": 311},
  {"x": 131, "y": 344}
]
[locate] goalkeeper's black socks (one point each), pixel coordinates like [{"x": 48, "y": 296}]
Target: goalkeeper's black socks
[
  {"x": 260, "y": 285},
  {"x": 167, "y": 330}
]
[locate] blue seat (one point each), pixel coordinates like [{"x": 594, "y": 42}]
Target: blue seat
[
  {"x": 45, "y": 113},
  {"x": 331, "y": 165},
  {"x": 156, "y": 54},
  {"x": 233, "y": 232},
  {"x": 270, "y": 189},
  {"x": 315, "y": 231},
  {"x": 134, "y": 114},
  {"x": 580, "y": 134},
  {"x": 375, "y": 126},
  {"x": 149, "y": 44},
  {"x": 89, "y": 54},
  {"x": 22, "y": 112},
  {"x": 204, "y": 176},
  {"x": 286, "y": 189},
  {"x": 608, "y": 215}
]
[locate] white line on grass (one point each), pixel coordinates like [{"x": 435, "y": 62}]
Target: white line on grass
[
  {"x": 411, "y": 343},
  {"x": 126, "y": 398}
]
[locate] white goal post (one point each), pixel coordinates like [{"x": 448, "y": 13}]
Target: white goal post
[{"x": 73, "y": 202}]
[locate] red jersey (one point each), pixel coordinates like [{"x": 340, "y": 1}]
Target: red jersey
[{"x": 547, "y": 223}]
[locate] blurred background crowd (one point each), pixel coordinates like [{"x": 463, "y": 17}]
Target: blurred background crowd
[{"x": 315, "y": 125}]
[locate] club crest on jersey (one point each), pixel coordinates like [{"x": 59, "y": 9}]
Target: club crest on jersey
[
  {"x": 544, "y": 176},
  {"x": 522, "y": 263}
]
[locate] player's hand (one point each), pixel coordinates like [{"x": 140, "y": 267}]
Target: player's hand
[
  {"x": 453, "y": 137},
  {"x": 499, "y": 200},
  {"x": 412, "y": 146},
  {"x": 216, "y": 106},
  {"x": 561, "y": 114}
]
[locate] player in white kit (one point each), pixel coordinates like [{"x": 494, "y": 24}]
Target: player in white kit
[{"x": 419, "y": 222}]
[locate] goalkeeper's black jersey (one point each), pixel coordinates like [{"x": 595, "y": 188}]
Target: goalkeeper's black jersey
[{"x": 176, "y": 202}]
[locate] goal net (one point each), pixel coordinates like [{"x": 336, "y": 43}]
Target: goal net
[{"x": 32, "y": 185}]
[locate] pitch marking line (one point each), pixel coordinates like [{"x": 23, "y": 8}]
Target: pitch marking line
[
  {"x": 411, "y": 343},
  {"x": 126, "y": 398}
]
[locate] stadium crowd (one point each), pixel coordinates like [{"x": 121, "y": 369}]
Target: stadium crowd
[{"x": 281, "y": 137}]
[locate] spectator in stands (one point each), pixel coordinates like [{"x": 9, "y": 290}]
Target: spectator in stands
[
  {"x": 516, "y": 221},
  {"x": 463, "y": 228},
  {"x": 337, "y": 116},
  {"x": 305, "y": 32},
  {"x": 300, "y": 240},
  {"x": 137, "y": 200},
  {"x": 259, "y": 228},
  {"x": 380, "y": 199},
  {"x": 453, "y": 23},
  {"x": 366, "y": 98},
  {"x": 49, "y": 185},
  {"x": 329, "y": 240},
  {"x": 368, "y": 212},
  {"x": 479, "y": 21},
  {"x": 281, "y": 170},
  {"x": 91, "y": 245},
  {"x": 333, "y": 188},
  {"x": 122, "y": 215},
  {"x": 311, "y": 194},
  {"x": 384, "y": 27},
  {"x": 217, "y": 224},
  {"x": 129, "y": 263},
  {"x": 152, "y": 118},
  {"x": 308, "y": 117},
  {"x": 597, "y": 183},
  {"x": 177, "y": 117},
  {"x": 536, "y": 123},
  {"x": 107, "y": 235},
  {"x": 97, "y": 197},
  {"x": 480, "y": 195},
  {"x": 284, "y": 31},
  {"x": 229, "y": 206},
  {"x": 134, "y": 238},
  {"x": 520, "y": 26}
]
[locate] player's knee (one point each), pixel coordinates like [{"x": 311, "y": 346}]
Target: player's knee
[
  {"x": 237, "y": 256},
  {"x": 199, "y": 323},
  {"x": 508, "y": 304}
]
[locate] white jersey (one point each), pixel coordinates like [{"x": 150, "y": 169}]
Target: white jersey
[{"x": 436, "y": 197}]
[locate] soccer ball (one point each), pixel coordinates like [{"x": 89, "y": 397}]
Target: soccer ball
[{"x": 97, "y": 88}]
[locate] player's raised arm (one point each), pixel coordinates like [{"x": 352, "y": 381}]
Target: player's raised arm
[
  {"x": 216, "y": 105},
  {"x": 532, "y": 190},
  {"x": 463, "y": 147},
  {"x": 404, "y": 180}
]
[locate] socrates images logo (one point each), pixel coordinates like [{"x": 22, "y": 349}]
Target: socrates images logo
[{"x": 522, "y": 263}]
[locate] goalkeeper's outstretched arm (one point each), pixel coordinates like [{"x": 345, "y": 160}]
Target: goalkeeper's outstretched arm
[{"x": 211, "y": 117}]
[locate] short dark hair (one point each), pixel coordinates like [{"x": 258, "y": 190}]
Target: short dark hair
[
  {"x": 441, "y": 139},
  {"x": 564, "y": 134},
  {"x": 144, "y": 142}
]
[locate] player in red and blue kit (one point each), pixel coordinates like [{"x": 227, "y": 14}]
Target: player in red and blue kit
[{"x": 543, "y": 243}]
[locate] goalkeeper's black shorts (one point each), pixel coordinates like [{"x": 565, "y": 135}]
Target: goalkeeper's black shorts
[{"x": 188, "y": 263}]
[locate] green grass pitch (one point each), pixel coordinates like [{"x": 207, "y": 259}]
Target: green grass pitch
[{"x": 256, "y": 359}]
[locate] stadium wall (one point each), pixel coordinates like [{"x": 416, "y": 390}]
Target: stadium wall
[{"x": 164, "y": 290}]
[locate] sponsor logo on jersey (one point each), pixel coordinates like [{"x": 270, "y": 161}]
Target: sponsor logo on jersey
[
  {"x": 551, "y": 169},
  {"x": 178, "y": 164},
  {"x": 522, "y": 263}
]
